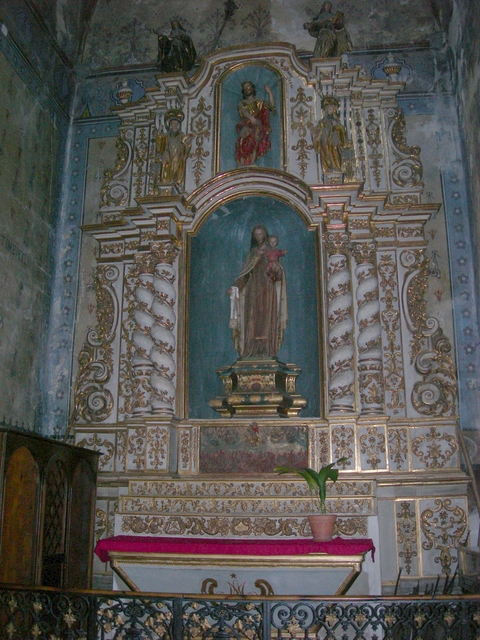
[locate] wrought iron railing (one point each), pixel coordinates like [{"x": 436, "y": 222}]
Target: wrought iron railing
[{"x": 47, "y": 614}]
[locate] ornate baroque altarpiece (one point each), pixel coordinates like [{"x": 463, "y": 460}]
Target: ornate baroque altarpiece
[{"x": 364, "y": 370}]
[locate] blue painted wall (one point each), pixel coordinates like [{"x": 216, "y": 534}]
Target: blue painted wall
[{"x": 216, "y": 258}]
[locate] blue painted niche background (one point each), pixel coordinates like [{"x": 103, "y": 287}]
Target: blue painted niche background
[
  {"x": 231, "y": 96},
  {"x": 217, "y": 254}
]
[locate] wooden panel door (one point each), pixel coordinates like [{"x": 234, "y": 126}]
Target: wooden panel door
[
  {"x": 19, "y": 523},
  {"x": 80, "y": 538}
]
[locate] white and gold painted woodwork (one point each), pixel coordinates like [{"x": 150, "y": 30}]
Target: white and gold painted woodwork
[{"x": 388, "y": 394}]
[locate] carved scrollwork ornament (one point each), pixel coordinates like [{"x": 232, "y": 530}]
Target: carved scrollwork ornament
[
  {"x": 114, "y": 191},
  {"x": 407, "y": 168},
  {"x": 435, "y": 394},
  {"x": 93, "y": 401},
  {"x": 214, "y": 526}
]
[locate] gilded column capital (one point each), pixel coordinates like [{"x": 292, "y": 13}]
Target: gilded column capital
[
  {"x": 363, "y": 252},
  {"x": 160, "y": 253},
  {"x": 336, "y": 242}
]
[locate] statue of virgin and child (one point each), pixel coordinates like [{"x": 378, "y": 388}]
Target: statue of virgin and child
[{"x": 258, "y": 299}]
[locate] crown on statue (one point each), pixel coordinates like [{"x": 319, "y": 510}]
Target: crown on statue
[
  {"x": 174, "y": 114},
  {"x": 330, "y": 100}
]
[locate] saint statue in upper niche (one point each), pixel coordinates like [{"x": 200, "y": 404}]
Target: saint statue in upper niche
[
  {"x": 253, "y": 128},
  {"x": 258, "y": 299},
  {"x": 329, "y": 30}
]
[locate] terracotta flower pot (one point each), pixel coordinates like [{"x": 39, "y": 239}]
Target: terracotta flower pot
[{"x": 322, "y": 526}]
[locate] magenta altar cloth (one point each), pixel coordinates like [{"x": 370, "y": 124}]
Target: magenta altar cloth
[
  {"x": 207, "y": 546},
  {"x": 230, "y": 566}
]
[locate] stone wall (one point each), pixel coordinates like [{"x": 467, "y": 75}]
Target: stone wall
[{"x": 31, "y": 132}]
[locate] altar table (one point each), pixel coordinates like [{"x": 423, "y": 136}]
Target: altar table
[{"x": 300, "y": 567}]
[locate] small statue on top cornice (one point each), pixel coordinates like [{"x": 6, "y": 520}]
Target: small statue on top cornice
[
  {"x": 329, "y": 29},
  {"x": 176, "y": 52}
]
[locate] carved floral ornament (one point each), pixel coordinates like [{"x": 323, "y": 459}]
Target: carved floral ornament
[{"x": 444, "y": 526}]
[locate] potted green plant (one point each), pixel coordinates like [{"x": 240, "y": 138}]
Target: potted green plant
[{"x": 321, "y": 522}]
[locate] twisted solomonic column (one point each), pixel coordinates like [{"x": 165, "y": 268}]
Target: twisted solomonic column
[
  {"x": 369, "y": 337},
  {"x": 162, "y": 332},
  {"x": 154, "y": 336},
  {"x": 141, "y": 362},
  {"x": 340, "y": 324}
]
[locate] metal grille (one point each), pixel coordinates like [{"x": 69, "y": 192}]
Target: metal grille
[
  {"x": 55, "y": 497},
  {"x": 113, "y": 615}
]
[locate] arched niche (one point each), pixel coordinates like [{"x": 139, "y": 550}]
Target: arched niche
[
  {"x": 19, "y": 521},
  {"x": 216, "y": 256},
  {"x": 230, "y": 94}
]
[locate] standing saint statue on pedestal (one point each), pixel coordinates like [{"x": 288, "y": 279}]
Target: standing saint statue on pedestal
[
  {"x": 329, "y": 137},
  {"x": 172, "y": 148},
  {"x": 258, "y": 384},
  {"x": 259, "y": 299},
  {"x": 253, "y": 128}
]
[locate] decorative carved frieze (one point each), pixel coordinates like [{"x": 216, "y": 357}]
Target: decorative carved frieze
[
  {"x": 242, "y": 506},
  {"x": 242, "y": 490}
]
